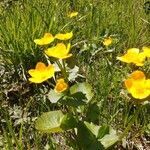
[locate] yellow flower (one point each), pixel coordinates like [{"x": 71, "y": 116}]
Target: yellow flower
[
  {"x": 133, "y": 56},
  {"x": 47, "y": 39},
  {"x": 59, "y": 51},
  {"x": 66, "y": 36},
  {"x": 137, "y": 75},
  {"x": 146, "y": 51},
  {"x": 61, "y": 85},
  {"x": 72, "y": 14},
  {"x": 147, "y": 84},
  {"x": 41, "y": 72},
  {"x": 137, "y": 85},
  {"x": 107, "y": 41}
]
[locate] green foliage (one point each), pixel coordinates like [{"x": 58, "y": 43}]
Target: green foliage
[
  {"x": 86, "y": 139},
  {"x": 85, "y": 112},
  {"x": 54, "y": 97},
  {"x": 74, "y": 100},
  {"x": 50, "y": 122},
  {"x": 105, "y": 134},
  {"x": 85, "y": 88}
]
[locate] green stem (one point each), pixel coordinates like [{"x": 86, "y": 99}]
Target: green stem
[{"x": 63, "y": 70}]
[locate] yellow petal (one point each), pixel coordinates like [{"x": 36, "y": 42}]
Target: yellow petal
[
  {"x": 140, "y": 93},
  {"x": 133, "y": 56},
  {"x": 128, "y": 83},
  {"x": 61, "y": 85},
  {"x": 34, "y": 73},
  {"x": 137, "y": 85},
  {"x": 66, "y": 36},
  {"x": 37, "y": 80},
  {"x": 41, "y": 72},
  {"x": 133, "y": 51},
  {"x": 137, "y": 75},
  {"x": 124, "y": 59},
  {"x": 147, "y": 84},
  {"x": 50, "y": 70},
  {"x": 40, "y": 66},
  {"x": 107, "y": 41},
  {"x": 72, "y": 14},
  {"x": 146, "y": 51},
  {"x": 47, "y": 39},
  {"x": 59, "y": 51}
]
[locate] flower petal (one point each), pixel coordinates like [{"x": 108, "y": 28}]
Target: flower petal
[
  {"x": 47, "y": 39},
  {"x": 66, "y": 36},
  {"x": 59, "y": 51},
  {"x": 137, "y": 75},
  {"x": 41, "y": 72},
  {"x": 72, "y": 14},
  {"x": 146, "y": 51},
  {"x": 61, "y": 85}
]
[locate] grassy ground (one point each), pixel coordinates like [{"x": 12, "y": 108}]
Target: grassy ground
[{"x": 23, "y": 21}]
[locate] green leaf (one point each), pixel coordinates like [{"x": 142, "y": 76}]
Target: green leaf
[
  {"x": 86, "y": 139},
  {"x": 54, "y": 97},
  {"x": 93, "y": 113},
  {"x": 50, "y": 122},
  {"x": 93, "y": 128},
  {"x": 103, "y": 131},
  {"x": 74, "y": 100},
  {"x": 84, "y": 87},
  {"x": 68, "y": 122},
  {"x": 109, "y": 139},
  {"x": 106, "y": 135}
]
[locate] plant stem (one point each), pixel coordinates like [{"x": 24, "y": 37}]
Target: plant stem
[{"x": 63, "y": 70}]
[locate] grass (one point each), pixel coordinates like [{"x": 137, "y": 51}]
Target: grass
[{"x": 23, "y": 21}]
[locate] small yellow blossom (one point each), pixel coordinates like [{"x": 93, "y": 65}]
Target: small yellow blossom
[
  {"x": 61, "y": 85},
  {"x": 59, "y": 51},
  {"x": 47, "y": 39},
  {"x": 146, "y": 51},
  {"x": 66, "y": 36},
  {"x": 137, "y": 85},
  {"x": 107, "y": 41},
  {"x": 133, "y": 56},
  {"x": 72, "y": 14},
  {"x": 41, "y": 72}
]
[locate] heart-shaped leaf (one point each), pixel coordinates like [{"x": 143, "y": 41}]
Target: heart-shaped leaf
[
  {"x": 54, "y": 97},
  {"x": 68, "y": 122},
  {"x": 50, "y": 122},
  {"x": 93, "y": 128},
  {"x": 86, "y": 139},
  {"x": 85, "y": 88}
]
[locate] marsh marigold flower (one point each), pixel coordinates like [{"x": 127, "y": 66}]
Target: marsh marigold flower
[
  {"x": 65, "y": 36},
  {"x": 47, "y": 39},
  {"x": 73, "y": 14},
  {"x": 59, "y": 51},
  {"x": 146, "y": 51},
  {"x": 41, "y": 72},
  {"x": 133, "y": 56},
  {"x": 61, "y": 85},
  {"x": 137, "y": 85},
  {"x": 107, "y": 41}
]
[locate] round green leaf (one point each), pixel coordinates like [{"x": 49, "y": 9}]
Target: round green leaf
[
  {"x": 54, "y": 97},
  {"x": 84, "y": 87},
  {"x": 50, "y": 122}
]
